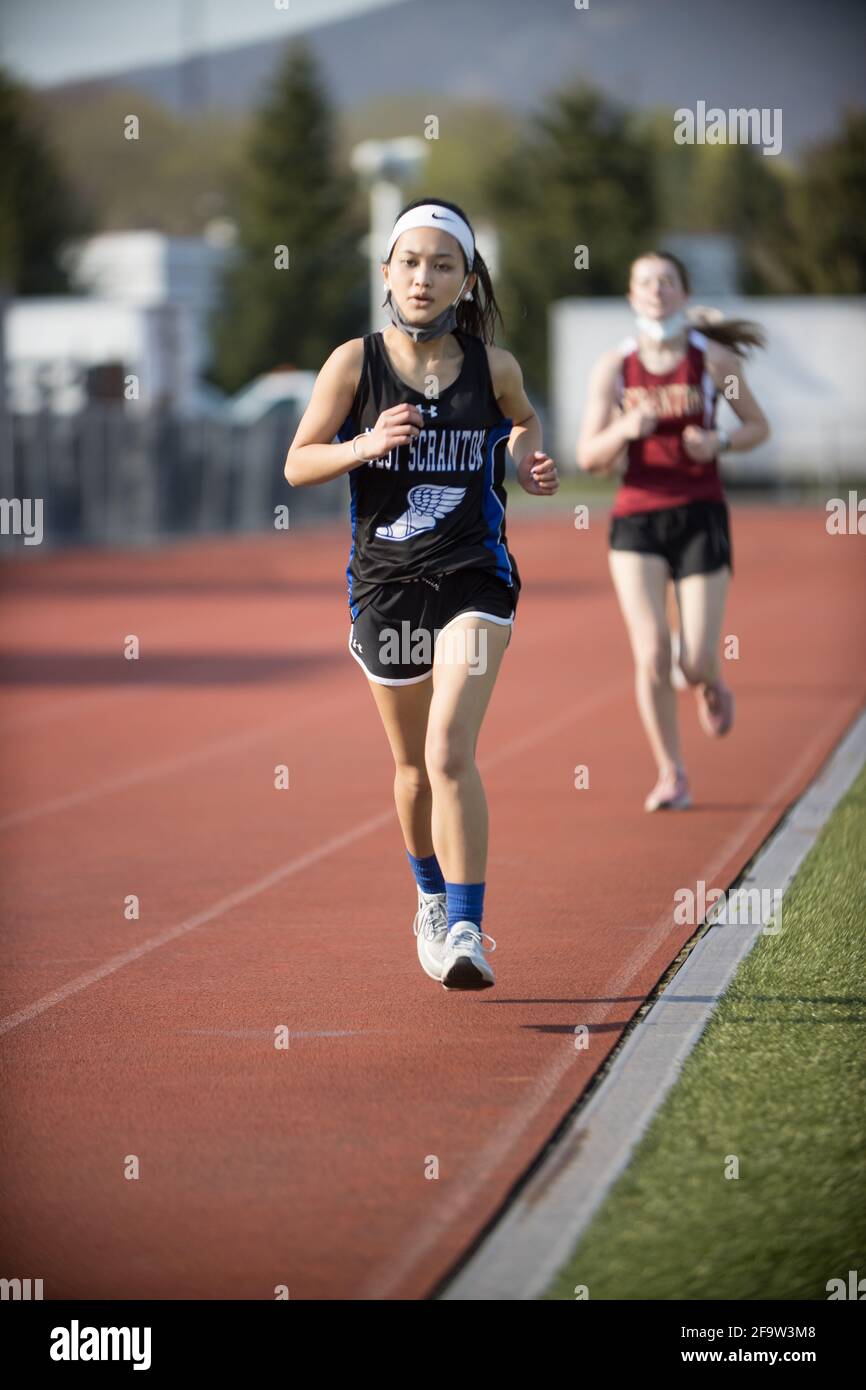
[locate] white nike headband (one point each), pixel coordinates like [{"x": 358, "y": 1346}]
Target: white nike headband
[{"x": 434, "y": 215}]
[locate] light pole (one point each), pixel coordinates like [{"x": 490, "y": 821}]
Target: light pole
[{"x": 385, "y": 165}]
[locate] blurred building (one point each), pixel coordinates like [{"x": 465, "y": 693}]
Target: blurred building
[
  {"x": 137, "y": 330},
  {"x": 808, "y": 380},
  {"x": 712, "y": 259}
]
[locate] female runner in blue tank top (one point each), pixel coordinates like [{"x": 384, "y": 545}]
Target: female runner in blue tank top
[{"x": 424, "y": 412}]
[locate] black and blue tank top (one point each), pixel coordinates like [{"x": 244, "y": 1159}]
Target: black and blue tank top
[{"x": 436, "y": 504}]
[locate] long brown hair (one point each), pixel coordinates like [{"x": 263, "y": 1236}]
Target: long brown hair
[
  {"x": 477, "y": 315},
  {"x": 738, "y": 334}
]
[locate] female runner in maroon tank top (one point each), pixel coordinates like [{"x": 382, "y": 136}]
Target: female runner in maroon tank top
[
  {"x": 428, "y": 546},
  {"x": 652, "y": 400}
]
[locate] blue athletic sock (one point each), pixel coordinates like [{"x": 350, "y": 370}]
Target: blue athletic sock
[
  {"x": 465, "y": 903},
  {"x": 428, "y": 875}
]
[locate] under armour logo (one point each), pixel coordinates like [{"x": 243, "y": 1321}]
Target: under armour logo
[{"x": 430, "y": 410}]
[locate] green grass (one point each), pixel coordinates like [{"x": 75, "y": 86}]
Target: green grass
[
  {"x": 596, "y": 490},
  {"x": 778, "y": 1078}
]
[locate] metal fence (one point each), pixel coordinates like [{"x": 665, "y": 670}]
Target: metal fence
[{"x": 108, "y": 477}]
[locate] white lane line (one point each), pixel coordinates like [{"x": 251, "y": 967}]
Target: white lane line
[
  {"x": 140, "y": 775},
  {"x": 383, "y": 1283},
  {"x": 59, "y": 709},
  {"x": 294, "y": 866},
  {"x": 536, "y": 1235},
  {"x": 172, "y": 765},
  {"x": 156, "y": 770},
  {"x": 62, "y": 709},
  {"x": 167, "y": 767},
  {"x": 232, "y": 900},
  {"x": 269, "y": 1032},
  {"x": 309, "y": 1033}
]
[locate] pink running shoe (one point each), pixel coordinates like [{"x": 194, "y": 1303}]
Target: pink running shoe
[
  {"x": 715, "y": 708},
  {"x": 670, "y": 793}
]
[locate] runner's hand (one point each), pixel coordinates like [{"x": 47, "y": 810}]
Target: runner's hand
[
  {"x": 395, "y": 426},
  {"x": 638, "y": 422},
  {"x": 536, "y": 473},
  {"x": 700, "y": 445}
]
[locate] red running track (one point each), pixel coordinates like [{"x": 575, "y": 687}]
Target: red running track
[{"x": 305, "y": 1165}]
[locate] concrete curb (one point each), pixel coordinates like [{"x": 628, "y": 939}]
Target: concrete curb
[{"x": 537, "y": 1233}]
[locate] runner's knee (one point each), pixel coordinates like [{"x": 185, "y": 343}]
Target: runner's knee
[
  {"x": 449, "y": 755},
  {"x": 653, "y": 659},
  {"x": 412, "y": 778}
]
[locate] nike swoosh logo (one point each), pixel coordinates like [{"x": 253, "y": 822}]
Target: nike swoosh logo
[{"x": 440, "y": 216}]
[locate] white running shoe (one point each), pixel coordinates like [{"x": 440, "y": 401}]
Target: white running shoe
[
  {"x": 678, "y": 680},
  {"x": 431, "y": 929},
  {"x": 464, "y": 965}
]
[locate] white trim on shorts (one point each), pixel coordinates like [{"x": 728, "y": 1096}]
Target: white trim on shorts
[
  {"x": 383, "y": 680},
  {"x": 415, "y": 680},
  {"x": 475, "y": 613}
]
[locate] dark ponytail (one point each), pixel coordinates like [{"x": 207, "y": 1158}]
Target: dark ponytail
[
  {"x": 740, "y": 335},
  {"x": 477, "y": 315}
]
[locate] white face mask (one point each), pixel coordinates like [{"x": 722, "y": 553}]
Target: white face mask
[{"x": 660, "y": 330}]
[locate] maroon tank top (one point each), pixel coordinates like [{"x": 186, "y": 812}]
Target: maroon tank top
[{"x": 660, "y": 473}]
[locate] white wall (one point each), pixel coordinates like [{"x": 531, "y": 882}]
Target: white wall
[
  {"x": 149, "y": 268},
  {"x": 809, "y": 380},
  {"x": 58, "y": 335}
]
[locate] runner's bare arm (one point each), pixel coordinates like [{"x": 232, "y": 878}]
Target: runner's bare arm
[
  {"x": 726, "y": 369},
  {"x": 536, "y": 470},
  {"x": 507, "y": 378},
  {"x": 312, "y": 458},
  {"x": 602, "y": 443}
]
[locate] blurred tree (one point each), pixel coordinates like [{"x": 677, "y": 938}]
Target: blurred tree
[
  {"x": 38, "y": 209},
  {"x": 580, "y": 177},
  {"x": 732, "y": 189},
  {"x": 826, "y": 251},
  {"x": 179, "y": 173},
  {"x": 294, "y": 195},
  {"x": 472, "y": 137}
]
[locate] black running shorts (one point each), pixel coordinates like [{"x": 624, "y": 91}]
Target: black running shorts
[
  {"x": 694, "y": 538},
  {"x": 395, "y": 636}
]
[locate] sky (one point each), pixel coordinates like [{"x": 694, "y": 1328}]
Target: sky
[
  {"x": 46, "y": 41},
  {"x": 795, "y": 55}
]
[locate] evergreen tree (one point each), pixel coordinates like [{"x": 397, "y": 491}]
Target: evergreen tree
[
  {"x": 580, "y": 177},
  {"x": 38, "y": 211},
  {"x": 827, "y": 248},
  {"x": 729, "y": 188},
  {"x": 294, "y": 196}
]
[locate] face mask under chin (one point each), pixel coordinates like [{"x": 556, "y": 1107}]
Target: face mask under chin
[
  {"x": 443, "y": 323},
  {"x": 660, "y": 330}
]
